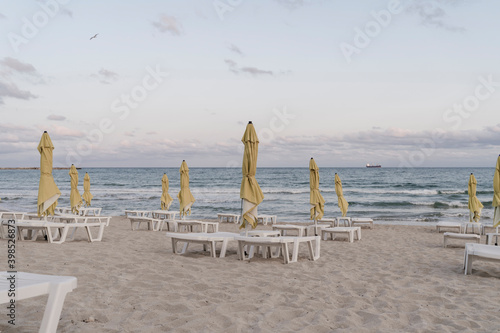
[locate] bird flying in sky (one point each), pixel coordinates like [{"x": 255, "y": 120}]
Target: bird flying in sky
[{"x": 95, "y": 36}]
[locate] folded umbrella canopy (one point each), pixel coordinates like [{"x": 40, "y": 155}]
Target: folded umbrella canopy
[
  {"x": 87, "y": 196},
  {"x": 186, "y": 199},
  {"x": 166, "y": 199},
  {"x": 315, "y": 199},
  {"x": 74, "y": 198},
  {"x": 475, "y": 205},
  {"x": 343, "y": 204},
  {"x": 48, "y": 192},
  {"x": 250, "y": 191},
  {"x": 496, "y": 195}
]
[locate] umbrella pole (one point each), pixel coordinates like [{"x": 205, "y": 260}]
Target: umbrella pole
[{"x": 315, "y": 223}]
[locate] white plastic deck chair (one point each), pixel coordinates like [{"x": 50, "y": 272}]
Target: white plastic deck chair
[{"x": 31, "y": 285}]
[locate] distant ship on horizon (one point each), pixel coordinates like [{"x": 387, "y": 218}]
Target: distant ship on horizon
[{"x": 373, "y": 166}]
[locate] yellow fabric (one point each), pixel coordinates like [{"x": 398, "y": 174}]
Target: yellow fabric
[
  {"x": 74, "y": 198},
  {"x": 343, "y": 204},
  {"x": 186, "y": 199},
  {"x": 166, "y": 199},
  {"x": 475, "y": 205},
  {"x": 496, "y": 194},
  {"x": 315, "y": 199},
  {"x": 48, "y": 192},
  {"x": 87, "y": 196},
  {"x": 250, "y": 189}
]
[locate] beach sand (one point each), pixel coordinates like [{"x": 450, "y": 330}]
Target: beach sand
[{"x": 396, "y": 279}]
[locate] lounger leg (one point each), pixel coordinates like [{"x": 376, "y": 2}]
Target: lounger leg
[
  {"x": 213, "y": 250},
  {"x": 174, "y": 246},
  {"x": 241, "y": 251},
  {"x": 53, "y": 309},
  {"x": 101, "y": 232},
  {"x": 185, "y": 247},
  {"x": 468, "y": 265},
  {"x": 251, "y": 252},
  {"x": 89, "y": 235},
  {"x": 62, "y": 239},
  {"x": 284, "y": 248},
  {"x": 295, "y": 254},
  {"x": 318, "y": 244},
  {"x": 223, "y": 248}
]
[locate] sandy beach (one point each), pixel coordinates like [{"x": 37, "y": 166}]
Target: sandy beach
[{"x": 396, "y": 279}]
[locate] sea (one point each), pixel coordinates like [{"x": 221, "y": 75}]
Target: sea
[{"x": 388, "y": 195}]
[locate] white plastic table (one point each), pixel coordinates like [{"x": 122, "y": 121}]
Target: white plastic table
[{"x": 33, "y": 285}]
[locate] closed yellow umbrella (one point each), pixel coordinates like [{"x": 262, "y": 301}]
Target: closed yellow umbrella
[
  {"x": 48, "y": 192},
  {"x": 315, "y": 199},
  {"x": 475, "y": 205},
  {"x": 496, "y": 194},
  {"x": 343, "y": 204},
  {"x": 87, "y": 196},
  {"x": 250, "y": 191},
  {"x": 166, "y": 199},
  {"x": 186, "y": 199},
  {"x": 74, "y": 198}
]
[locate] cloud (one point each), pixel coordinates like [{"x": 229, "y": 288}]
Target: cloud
[
  {"x": 18, "y": 66},
  {"x": 168, "y": 24},
  {"x": 11, "y": 90},
  {"x": 235, "y": 49},
  {"x": 233, "y": 67},
  {"x": 255, "y": 71},
  {"x": 105, "y": 76},
  {"x": 2, "y": 17},
  {"x": 12, "y": 67},
  {"x": 56, "y": 117},
  {"x": 433, "y": 14}
]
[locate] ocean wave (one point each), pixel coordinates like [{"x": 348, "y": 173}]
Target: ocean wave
[
  {"x": 389, "y": 191},
  {"x": 452, "y": 192}
]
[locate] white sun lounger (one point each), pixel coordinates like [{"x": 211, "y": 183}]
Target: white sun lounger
[
  {"x": 301, "y": 229},
  {"x": 479, "y": 251},
  {"x": 467, "y": 237},
  {"x": 449, "y": 225},
  {"x": 82, "y": 211},
  {"x": 5, "y": 217},
  {"x": 203, "y": 238},
  {"x": 51, "y": 229},
  {"x": 362, "y": 221},
  {"x": 349, "y": 231},
  {"x": 283, "y": 242},
  {"x": 33, "y": 285},
  {"x": 153, "y": 224}
]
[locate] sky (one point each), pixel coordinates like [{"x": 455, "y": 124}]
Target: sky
[{"x": 412, "y": 83}]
